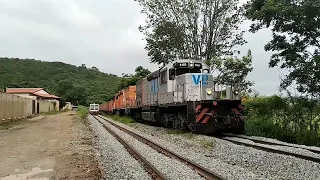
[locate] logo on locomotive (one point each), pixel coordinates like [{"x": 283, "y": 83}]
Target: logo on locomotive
[{"x": 200, "y": 77}]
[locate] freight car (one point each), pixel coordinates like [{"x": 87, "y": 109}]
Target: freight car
[{"x": 184, "y": 95}]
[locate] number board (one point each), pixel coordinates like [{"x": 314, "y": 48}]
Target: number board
[{"x": 199, "y": 65}]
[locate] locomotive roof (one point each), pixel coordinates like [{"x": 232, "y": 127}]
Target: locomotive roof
[{"x": 156, "y": 73}]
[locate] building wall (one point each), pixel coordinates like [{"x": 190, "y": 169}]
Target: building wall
[
  {"x": 68, "y": 106},
  {"x": 13, "y": 107},
  {"x": 48, "y": 105},
  {"x": 27, "y": 95}
]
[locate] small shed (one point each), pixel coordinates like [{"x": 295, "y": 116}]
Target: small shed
[{"x": 42, "y": 100}]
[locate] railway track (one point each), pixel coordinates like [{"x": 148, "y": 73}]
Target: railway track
[
  {"x": 271, "y": 143},
  {"x": 156, "y": 174},
  {"x": 273, "y": 150},
  {"x": 153, "y": 171}
]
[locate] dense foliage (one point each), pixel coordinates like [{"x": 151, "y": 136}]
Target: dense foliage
[
  {"x": 294, "y": 120},
  {"x": 75, "y": 84},
  {"x": 202, "y": 29},
  {"x": 296, "y": 39},
  {"x": 131, "y": 79},
  {"x": 234, "y": 71}
]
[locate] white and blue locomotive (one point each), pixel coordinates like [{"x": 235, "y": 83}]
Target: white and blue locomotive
[{"x": 184, "y": 94}]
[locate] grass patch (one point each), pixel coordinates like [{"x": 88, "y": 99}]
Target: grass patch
[
  {"x": 175, "y": 131},
  {"x": 3, "y": 127},
  {"x": 189, "y": 135},
  {"x": 206, "y": 143},
  {"x": 293, "y": 121},
  {"x": 82, "y": 112},
  {"x": 122, "y": 119}
]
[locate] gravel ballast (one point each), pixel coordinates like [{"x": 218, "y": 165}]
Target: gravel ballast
[
  {"x": 116, "y": 161},
  {"x": 169, "y": 167},
  {"x": 230, "y": 160}
]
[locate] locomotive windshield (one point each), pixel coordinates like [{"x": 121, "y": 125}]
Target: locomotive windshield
[{"x": 180, "y": 71}]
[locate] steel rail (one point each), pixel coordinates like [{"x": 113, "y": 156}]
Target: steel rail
[
  {"x": 204, "y": 172},
  {"x": 278, "y": 151},
  {"x": 270, "y": 143},
  {"x": 154, "y": 173}
]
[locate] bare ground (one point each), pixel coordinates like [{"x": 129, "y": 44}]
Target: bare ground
[{"x": 48, "y": 147}]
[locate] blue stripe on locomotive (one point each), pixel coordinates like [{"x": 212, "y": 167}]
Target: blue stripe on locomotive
[{"x": 154, "y": 85}]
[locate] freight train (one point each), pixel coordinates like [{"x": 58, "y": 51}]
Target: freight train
[{"x": 183, "y": 95}]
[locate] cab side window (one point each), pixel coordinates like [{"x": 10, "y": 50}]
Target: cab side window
[{"x": 163, "y": 77}]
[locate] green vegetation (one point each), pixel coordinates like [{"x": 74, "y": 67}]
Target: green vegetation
[
  {"x": 131, "y": 79},
  {"x": 206, "y": 143},
  {"x": 122, "y": 119},
  {"x": 82, "y": 112},
  {"x": 296, "y": 36},
  {"x": 293, "y": 120},
  {"x": 295, "y": 46},
  {"x": 75, "y": 84},
  {"x": 175, "y": 131},
  {"x": 187, "y": 134},
  {"x": 191, "y": 29}
]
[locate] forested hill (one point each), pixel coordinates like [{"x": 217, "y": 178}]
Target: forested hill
[{"x": 86, "y": 85}]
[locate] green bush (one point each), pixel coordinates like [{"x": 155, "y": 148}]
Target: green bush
[
  {"x": 294, "y": 120},
  {"x": 82, "y": 112},
  {"x": 122, "y": 119}
]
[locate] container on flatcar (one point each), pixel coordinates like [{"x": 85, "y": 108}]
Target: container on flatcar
[
  {"x": 102, "y": 107},
  {"x": 140, "y": 92},
  {"x": 110, "y": 106},
  {"x": 119, "y": 100},
  {"x": 130, "y": 97}
]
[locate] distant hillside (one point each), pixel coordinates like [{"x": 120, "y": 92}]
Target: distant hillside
[{"x": 85, "y": 85}]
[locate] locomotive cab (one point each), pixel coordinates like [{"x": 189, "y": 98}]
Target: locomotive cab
[
  {"x": 180, "y": 68},
  {"x": 94, "y": 109}
]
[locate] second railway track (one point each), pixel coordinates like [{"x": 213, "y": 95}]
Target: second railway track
[
  {"x": 155, "y": 173},
  {"x": 258, "y": 144},
  {"x": 271, "y": 143}
]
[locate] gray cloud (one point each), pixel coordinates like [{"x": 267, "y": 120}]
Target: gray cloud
[{"x": 98, "y": 33}]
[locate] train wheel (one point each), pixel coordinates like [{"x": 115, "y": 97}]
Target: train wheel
[
  {"x": 166, "y": 120},
  {"x": 182, "y": 119},
  {"x": 240, "y": 129}
]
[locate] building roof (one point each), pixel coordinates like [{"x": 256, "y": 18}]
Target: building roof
[
  {"x": 22, "y": 90},
  {"x": 35, "y": 91},
  {"x": 45, "y": 95}
]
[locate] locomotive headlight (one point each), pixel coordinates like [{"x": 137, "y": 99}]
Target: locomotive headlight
[
  {"x": 209, "y": 92},
  {"x": 191, "y": 64},
  {"x": 236, "y": 92}
]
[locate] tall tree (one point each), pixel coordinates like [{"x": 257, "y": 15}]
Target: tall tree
[
  {"x": 296, "y": 39},
  {"x": 141, "y": 72},
  {"x": 130, "y": 80},
  {"x": 234, "y": 72},
  {"x": 198, "y": 29}
]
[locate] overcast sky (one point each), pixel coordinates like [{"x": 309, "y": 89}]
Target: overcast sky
[{"x": 101, "y": 33}]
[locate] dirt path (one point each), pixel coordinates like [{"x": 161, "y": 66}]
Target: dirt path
[{"x": 51, "y": 147}]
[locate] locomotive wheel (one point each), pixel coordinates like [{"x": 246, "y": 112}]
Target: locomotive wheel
[
  {"x": 240, "y": 129},
  {"x": 166, "y": 121}
]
